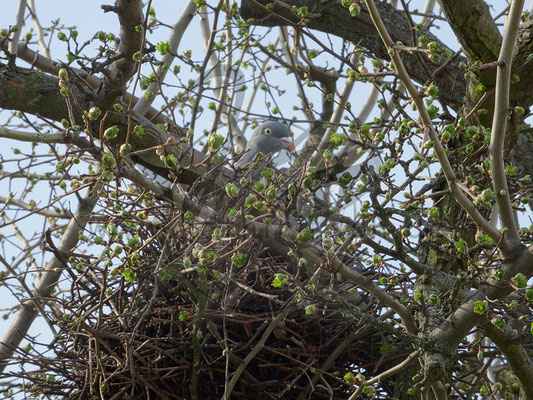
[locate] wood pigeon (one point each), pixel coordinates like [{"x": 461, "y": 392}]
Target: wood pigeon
[{"x": 268, "y": 138}]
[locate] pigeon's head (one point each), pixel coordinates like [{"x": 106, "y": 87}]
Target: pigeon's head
[{"x": 268, "y": 138}]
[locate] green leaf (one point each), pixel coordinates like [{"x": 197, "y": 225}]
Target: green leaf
[
  {"x": 304, "y": 236},
  {"x": 480, "y": 307},
  {"x": 310, "y": 309},
  {"x": 259, "y": 205},
  {"x": 232, "y": 190},
  {"x": 270, "y": 194},
  {"x": 239, "y": 259},
  {"x": 349, "y": 378},
  {"x": 250, "y": 200},
  {"x": 354, "y": 9},
  {"x": 337, "y": 139},
  {"x": 163, "y": 47},
  {"x": 345, "y": 179},
  {"x": 190, "y": 216},
  {"x": 519, "y": 280},
  {"x": 303, "y": 11},
  {"x": 280, "y": 280}
]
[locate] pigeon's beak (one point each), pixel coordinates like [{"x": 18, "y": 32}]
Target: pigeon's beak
[{"x": 288, "y": 144}]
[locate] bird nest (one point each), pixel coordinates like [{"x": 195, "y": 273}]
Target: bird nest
[{"x": 206, "y": 330}]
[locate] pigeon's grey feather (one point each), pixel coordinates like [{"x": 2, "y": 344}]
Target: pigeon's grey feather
[{"x": 268, "y": 138}]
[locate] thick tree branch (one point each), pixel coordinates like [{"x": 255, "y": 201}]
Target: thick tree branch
[
  {"x": 90, "y": 81},
  {"x": 474, "y": 28},
  {"x": 516, "y": 355},
  {"x": 131, "y": 39},
  {"x": 499, "y": 123},
  {"x": 331, "y": 17},
  {"x": 36, "y": 93},
  {"x": 27, "y": 314},
  {"x": 427, "y": 122},
  {"x": 462, "y": 320}
]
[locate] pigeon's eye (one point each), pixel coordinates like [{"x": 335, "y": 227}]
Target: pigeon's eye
[{"x": 268, "y": 131}]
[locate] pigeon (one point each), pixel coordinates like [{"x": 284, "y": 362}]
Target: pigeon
[{"x": 268, "y": 138}]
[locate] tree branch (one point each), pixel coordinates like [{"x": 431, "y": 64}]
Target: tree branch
[
  {"x": 27, "y": 314},
  {"x": 131, "y": 40},
  {"x": 474, "y": 28},
  {"x": 178, "y": 30},
  {"x": 516, "y": 355},
  {"x": 447, "y": 168},
  {"x": 499, "y": 123},
  {"x": 331, "y": 17}
]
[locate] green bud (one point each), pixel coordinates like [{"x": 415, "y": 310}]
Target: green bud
[
  {"x": 259, "y": 205},
  {"x": 433, "y": 46},
  {"x": 108, "y": 161},
  {"x": 270, "y": 194},
  {"x": 232, "y": 190},
  {"x": 62, "y": 74},
  {"x": 259, "y": 186},
  {"x": 434, "y": 213},
  {"x": 138, "y": 130},
  {"x": 345, "y": 179},
  {"x": 170, "y": 161},
  {"x": 94, "y": 113},
  {"x": 250, "y": 200},
  {"x": 111, "y": 132},
  {"x": 111, "y": 230},
  {"x": 215, "y": 142},
  {"x": 432, "y": 90},
  {"x": 304, "y": 236},
  {"x": 267, "y": 173},
  {"x": 142, "y": 215},
  {"x": 328, "y": 156},
  {"x": 519, "y": 280},
  {"x": 498, "y": 322},
  {"x": 310, "y": 309}
]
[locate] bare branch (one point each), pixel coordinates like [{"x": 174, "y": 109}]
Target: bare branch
[
  {"x": 131, "y": 39},
  {"x": 34, "y": 137},
  {"x": 335, "y": 118},
  {"x": 178, "y": 30},
  {"x": 19, "y": 23},
  {"x": 384, "y": 375},
  {"x": 39, "y": 29},
  {"x": 499, "y": 123},
  {"x": 515, "y": 353},
  {"x": 335, "y": 19},
  {"x": 447, "y": 169},
  {"x": 27, "y": 314},
  {"x": 474, "y": 28}
]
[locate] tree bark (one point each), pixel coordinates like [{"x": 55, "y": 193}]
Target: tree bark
[{"x": 330, "y": 17}]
